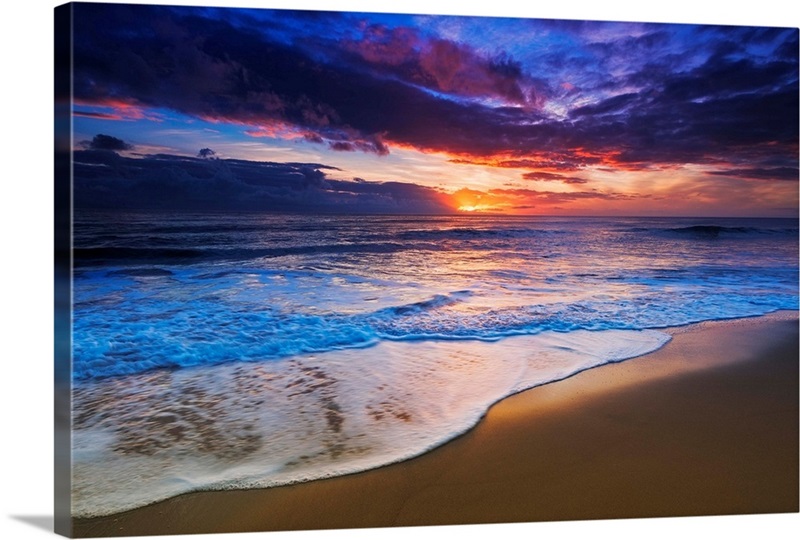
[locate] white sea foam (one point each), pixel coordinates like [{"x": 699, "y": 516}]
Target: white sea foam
[{"x": 145, "y": 437}]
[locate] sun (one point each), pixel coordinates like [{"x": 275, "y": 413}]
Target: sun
[
  {"x": 475, "y": 208},
  {"x": 470, "y": 200}
]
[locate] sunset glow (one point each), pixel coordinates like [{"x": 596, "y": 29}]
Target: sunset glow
[{"x": 399, "y": 113}]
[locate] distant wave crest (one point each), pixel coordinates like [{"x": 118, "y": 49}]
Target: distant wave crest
[
  {"x": 719, "y": 231},
  {"x": 102, "y": 255}
]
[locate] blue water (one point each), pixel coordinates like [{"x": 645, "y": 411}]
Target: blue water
[
  {"x": 240, "y": 351},
  {"x": 167, "y": 291}
]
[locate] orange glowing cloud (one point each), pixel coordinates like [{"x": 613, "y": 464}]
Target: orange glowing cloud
[{"x": 119, "y": 110}]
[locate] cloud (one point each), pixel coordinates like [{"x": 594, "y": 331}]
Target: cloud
[
  {"x": 375, "y": 146},
  {"x": 99, "y": 115},
  {"x": 544, "y": 160},
  {"x": 112, "y": 108},
  {"x": 106, "y": 142},
  {"x": 553, "y": 177},
  {"x": 776, "y": 173},
  {"x": 611, "y": 105},
  {"x": 439, "y": 64},
  {"x": 628, "y": 96},
  {"x": 553, "y": 197},
  {"x": 517, "y": 199},
  {"x": 106, "y": 180}
]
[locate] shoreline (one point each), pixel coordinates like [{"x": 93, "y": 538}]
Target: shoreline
[{"x": 663, "y": 434}]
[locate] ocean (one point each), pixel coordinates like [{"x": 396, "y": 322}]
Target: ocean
[{"x": 221, "y": 351}]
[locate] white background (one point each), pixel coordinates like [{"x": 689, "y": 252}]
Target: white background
[{"x": 26, "y": 263}]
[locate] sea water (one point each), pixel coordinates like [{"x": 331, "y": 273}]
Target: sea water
[{"x": 217, "y": 351}]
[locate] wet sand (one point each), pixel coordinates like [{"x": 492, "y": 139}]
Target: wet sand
[{"x": 706, "y": 425}]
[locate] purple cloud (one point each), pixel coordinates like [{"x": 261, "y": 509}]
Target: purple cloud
[{"x": 679, "y": 94}]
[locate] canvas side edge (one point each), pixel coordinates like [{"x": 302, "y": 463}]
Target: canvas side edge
[{"x": 62, "y": 318}]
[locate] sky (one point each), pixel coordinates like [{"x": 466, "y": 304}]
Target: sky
[{"x": 246, "y": 109}]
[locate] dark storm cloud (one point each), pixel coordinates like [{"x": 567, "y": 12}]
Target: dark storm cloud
[
  {"x": 106, "y": 180},
  {"x": 375, "y": 146},
  {"x": 440, "y": 64},
  {"x": 694, "y": 98},
  {"x": 106, "y": 142},
  {"x": 776, "y": 173},
  {"x": 724, "y": 109}
]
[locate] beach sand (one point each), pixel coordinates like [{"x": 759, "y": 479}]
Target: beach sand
[{"x": 706, "y": 425}]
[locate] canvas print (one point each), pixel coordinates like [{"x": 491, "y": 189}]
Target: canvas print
[{"x": 333, "y": 270}]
